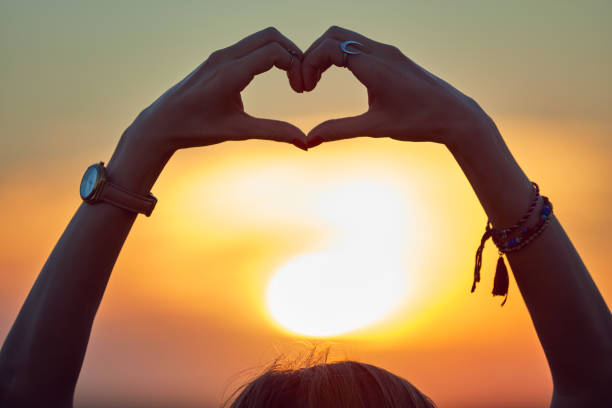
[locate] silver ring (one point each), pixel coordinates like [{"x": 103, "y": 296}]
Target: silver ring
[{"x": 346, "y": 51}]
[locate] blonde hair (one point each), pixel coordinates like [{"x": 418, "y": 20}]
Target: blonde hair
[{"x": 342, "y": 384}]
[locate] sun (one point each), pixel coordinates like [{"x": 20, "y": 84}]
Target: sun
[
  {"x": 330, "y": 293},
  {"x": 359, "y": 277}
]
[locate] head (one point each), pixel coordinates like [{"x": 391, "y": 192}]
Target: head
[{"x": 344, "y": 384}]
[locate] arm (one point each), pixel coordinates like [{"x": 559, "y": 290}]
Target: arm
[
  {"x": 408, "y": 103},
  {"x": 42, "y": 355},
  {"x": 570, "y": 316}
]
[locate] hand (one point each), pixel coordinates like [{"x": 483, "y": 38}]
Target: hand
[
  {"x": 206, "y": 108},
  {"x": 405, "y": 101}
]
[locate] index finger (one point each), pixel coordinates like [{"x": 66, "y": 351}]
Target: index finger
[
  {"x": 341, "y": 34},
  {"x": 364, "y": 65},
  {"x": 255, "y": 42},
  {"x": 260, "y": 39},
  {"x": 262, "y": 60}
]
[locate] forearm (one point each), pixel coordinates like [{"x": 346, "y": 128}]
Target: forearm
[
  {"x": 43, "y": 353},
  {"x": 44, "y": 350},
  {"x": 570, "y": 316}
]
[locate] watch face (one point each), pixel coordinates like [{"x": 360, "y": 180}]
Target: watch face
[{"x": 90, "y": 179}]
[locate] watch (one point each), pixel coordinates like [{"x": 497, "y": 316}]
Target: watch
[{"x": 96, "y": 187}]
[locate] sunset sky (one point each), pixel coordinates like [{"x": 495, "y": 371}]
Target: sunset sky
[{"x": 214, "y": 282}]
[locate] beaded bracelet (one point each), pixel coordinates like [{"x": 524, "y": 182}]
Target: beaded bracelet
[
  {"x": 528, "y": 234},
  {"x": 507, "y": 231},
  {"x": 505, "y": 244}
]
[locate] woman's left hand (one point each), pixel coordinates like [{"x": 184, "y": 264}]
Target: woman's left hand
[
  {"x": 206, "y": 108},
  {"x": 406, "y": 102}
]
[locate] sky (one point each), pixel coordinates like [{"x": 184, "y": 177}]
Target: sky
[{"x": 198, "y": 299}]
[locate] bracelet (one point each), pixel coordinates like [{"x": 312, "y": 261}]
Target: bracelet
[
  {"x": 507, "y": 231},
  {"x": 528, "y": 234},
  {"x": 505, "y": 243}
]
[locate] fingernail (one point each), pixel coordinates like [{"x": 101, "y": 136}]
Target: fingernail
[
  {"x": 301, "y": 145},
  {"x": 315, "y": 141}
]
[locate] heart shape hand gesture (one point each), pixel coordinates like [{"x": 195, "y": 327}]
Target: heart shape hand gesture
[{"x": 405, "y": 102}]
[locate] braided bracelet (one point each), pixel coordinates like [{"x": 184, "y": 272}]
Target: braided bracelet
[
  {"x": 528, "y": 234},
  {"x": 505, "y": 245},
  {"x": 507, "y": 231}
]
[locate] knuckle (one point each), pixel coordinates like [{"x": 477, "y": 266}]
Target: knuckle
[
  {"x": 393, "y": 50},
  {"x": 216, "y": 56},
  {"x": 271, "y": 32},
  {"x": 334, "y": 30}
]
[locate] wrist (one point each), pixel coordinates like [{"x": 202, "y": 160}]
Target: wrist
[
  {"x": 472, "y": 131},
  {"x": 136, "y": 162},
  {"x": 502, "y": 188}
]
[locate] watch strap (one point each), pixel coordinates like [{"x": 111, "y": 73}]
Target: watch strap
[{"x": 123, "y": 198}]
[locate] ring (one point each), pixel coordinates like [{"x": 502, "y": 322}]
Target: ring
[{"x": 346, "y": 51}]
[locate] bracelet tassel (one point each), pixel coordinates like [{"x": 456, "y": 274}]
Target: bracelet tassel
[
  {"x": 478, "y": 264},
  {"x": 505, "y": 244},
  {"x": 501, "y": 280}
]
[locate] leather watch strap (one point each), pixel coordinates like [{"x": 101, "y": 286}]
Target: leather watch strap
[{"x": 120, "y": 197}]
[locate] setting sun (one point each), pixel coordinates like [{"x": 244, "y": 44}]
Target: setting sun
[
  {"x": 359, "y": 278},
  {"x": 330, "y": 293}
]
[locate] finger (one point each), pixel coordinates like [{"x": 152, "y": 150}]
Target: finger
[
  {"x": 264, "y": 37},
  {"x": 261, "y": 60},
  {"x": 344, "y": 128},
  {"x": 269, "y": 129},
  {"x": 341, "y": 34},
  {"x": 252, "y": 43},
  {"x": 329, "y": 53},
  {"x": 261, "y": 38},
  {"x": 294, "y": 74}
]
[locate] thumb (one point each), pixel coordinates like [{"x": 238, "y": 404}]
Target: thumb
[
  {"x": 343, "y": 128},
  {"x": 269, "y": 129}
]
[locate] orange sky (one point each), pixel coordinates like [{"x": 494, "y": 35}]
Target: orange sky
[{"x": 186, "y": 307}]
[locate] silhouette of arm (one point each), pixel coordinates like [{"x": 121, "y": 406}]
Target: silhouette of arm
[
  {"x": 408, "y": 103},
  {"x": 570, "y": 316},
  {"x": 42, "y": 355}
]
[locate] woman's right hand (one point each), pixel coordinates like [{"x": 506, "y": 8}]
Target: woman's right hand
[
  {"x": 405, "y": 101},
  {"x": 206, "y": 108}
]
